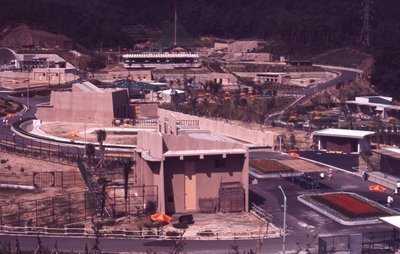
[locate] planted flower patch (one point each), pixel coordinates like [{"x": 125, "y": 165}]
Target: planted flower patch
[{"x": 347, "y": 207}]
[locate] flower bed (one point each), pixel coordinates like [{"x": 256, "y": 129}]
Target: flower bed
[
  {"x": 269, "y": 166},
  {"x": 347, "y": 208}
]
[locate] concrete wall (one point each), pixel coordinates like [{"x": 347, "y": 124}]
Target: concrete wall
[
  {"x": 261, "y": 138},
  {"x": 224, "y": 78},
  {"x": 152, "y": 142},
  {"x": 77, "y": 106},
  {"x": 242, "y": 46},
  {"x": 168, "y": 77},
  {"x": 56, "y": 76},
  {"x": 208, "y": 178},
  {"x": 138, "y": 75}
]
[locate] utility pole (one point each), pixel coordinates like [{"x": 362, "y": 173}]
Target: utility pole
[
  {"x": 366, "y": 12},
  {"x": 284, "y": 221},
  {"x": 175, "y": 24}
]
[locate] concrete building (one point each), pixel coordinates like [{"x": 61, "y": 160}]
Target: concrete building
[
  {"x": 37, "y": 68},
  {"x": 85, "y": 103},
  {"x": 120, "y": 73},
  {"x": 380, "y": 106},
  {"x": 341, "y": 140},
  {"x": 190, "y": 168},
  {"x": 248, "y": 57},
  {"x": 173, "y": 75},
  {"x": 244, "y": 46},
  {"x": 386, "y": 160}
]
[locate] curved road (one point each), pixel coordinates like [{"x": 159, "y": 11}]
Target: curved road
[{"x": 344, "y": 76}]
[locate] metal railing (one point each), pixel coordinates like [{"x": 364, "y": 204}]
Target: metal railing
[
  {"x": 146, "y": 233},
  {"x": 261, "y": 213}
]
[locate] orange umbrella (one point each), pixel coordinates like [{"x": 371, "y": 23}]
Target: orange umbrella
[
  {"x": 316, "y": 117},
  {"x": 73, "y": 135},
  {"x": 294, "y": 154},
  {"x": 293, "y": 117},
  {"x": 160, "y": 217},
  {"x": 377, "y": 188},
  {"x": 10, "y": 115}
]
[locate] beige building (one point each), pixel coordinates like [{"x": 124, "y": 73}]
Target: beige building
[
  {"x": 35, "y": 68},
  {"x": 190, "y": 168},
  {"x": 85, "y": 103},
  {"x": 120, "y": 73}
]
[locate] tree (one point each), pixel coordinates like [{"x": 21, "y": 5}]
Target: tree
[
  {"x": 292, "y": 141},
  {"x": 101, "y": 137},
  {"x": 90, "y": 151}
]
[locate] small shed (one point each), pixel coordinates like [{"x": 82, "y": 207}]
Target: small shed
[{"x": 342, "y": 140}]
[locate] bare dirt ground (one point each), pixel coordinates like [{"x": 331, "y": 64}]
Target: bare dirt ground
[
  {"x": 18, "y": 170},
  {"x": 76, "y": 131}
]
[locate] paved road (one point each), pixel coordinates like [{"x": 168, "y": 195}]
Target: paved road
[
  {"x": 130, "y": 246},
  {"x": 344, "y": 77},
  {"x": 303, "y": 223}
]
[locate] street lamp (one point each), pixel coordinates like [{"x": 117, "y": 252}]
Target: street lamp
[
  {"x": 84, "y": 146},
  {"x": 284, "y": 220},
  {"x": 280, "y": 137},
  {"x": 27, "y": 96}
]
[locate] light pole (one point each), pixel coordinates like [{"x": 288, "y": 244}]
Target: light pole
[
  {"x": 284, "y": 220},
  {"x": 27, "y": 96},
  {"x": 84, "y": 146},
  {"x": 280, "y": 137}
]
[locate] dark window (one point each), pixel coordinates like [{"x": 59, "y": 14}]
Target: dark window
[{"x": 220, "y": 163}]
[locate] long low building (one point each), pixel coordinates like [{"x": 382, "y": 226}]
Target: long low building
[{"x": 161, "y": 60}]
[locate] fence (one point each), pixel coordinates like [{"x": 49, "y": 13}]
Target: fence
[
  {"x": 48, "y": 151},
  {"x": 140, "y": 199},
  {"x": 54, "y": 211},
  {"x": 372, "y": 242}
]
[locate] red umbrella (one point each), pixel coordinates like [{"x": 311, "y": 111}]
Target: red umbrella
[
  {"x": 160, "y": 217},
  {"x": 377, "y": 188}
]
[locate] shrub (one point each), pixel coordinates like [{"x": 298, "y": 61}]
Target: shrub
[
  {"x": 207, "y": 232},
  {"x": 172, "y": 233}
]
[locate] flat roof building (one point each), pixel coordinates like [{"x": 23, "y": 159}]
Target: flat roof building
[
  {"x": 176, "y": 57},
  {"x": 193, "y": 169},
  {"x": 381, "y": 106},
  {"x": 341, "y": 140}
]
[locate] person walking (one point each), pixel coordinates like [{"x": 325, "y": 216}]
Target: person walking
[
  {"x": 330, "y": 175},
  {"x": 398, "y": 187},
  {"x": 390, "y": 200}
]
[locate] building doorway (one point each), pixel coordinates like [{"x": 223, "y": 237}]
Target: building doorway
[{"x": 190, "y": 185}]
